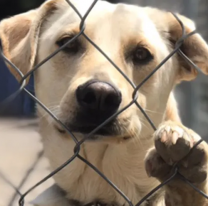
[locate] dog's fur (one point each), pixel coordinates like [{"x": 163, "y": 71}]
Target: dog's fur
[{"x": 117, "y": 28}]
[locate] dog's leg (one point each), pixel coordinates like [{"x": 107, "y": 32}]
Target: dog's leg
[{"x": 173, "y": 144}]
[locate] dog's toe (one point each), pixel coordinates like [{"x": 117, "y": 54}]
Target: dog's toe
[
  {"x": 155, "y": 166},
  {"x": 174, "y": 143}
]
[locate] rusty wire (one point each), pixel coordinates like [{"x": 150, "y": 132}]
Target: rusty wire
[{"x": 133, "y": 101}]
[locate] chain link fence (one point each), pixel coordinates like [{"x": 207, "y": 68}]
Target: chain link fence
[
  {"x": 191, "y": 96},
  {"x": 178, "y": 45}
]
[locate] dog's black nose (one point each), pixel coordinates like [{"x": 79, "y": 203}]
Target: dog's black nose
[{"x": 98, "y": 98}]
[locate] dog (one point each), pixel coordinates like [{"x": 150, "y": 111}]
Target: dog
[{"x": 83, "y": 89}]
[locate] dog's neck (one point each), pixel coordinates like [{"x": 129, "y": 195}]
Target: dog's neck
[
  {"x": 55, "y": 196},
  {"x": 123, "y": 164}
]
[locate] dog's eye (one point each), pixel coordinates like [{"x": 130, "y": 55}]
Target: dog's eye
[
  {"x": 72, "y": 47},
  {"x": 141, "y": 55}
]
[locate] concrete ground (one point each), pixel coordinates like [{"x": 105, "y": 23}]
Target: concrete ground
[{"x": 20, "y": 150}]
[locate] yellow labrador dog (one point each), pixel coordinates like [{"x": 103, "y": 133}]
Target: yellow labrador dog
[{"x": 83, "y": 89}]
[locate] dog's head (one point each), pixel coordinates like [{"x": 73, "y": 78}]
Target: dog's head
[{"x": 80, "y": 83}]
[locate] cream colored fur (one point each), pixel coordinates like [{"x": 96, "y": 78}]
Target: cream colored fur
[{"x": 29, "y": 38}]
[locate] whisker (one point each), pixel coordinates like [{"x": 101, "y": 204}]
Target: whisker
[{"x": 151, "y": 111}]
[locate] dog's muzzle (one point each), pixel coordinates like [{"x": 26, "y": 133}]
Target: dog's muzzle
[{"x": 97, "y": 101}]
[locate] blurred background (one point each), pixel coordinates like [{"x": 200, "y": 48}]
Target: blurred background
[{"x": 20, "y": 146}]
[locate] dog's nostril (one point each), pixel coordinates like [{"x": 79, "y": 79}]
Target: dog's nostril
[
  {"x": 110, "y": 100},
  {"x": 89, "y": 98}
]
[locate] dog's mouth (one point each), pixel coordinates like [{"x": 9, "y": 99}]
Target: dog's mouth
[
  {"x": 108, "y": 130},
  {"x": 112, "y": 129}
]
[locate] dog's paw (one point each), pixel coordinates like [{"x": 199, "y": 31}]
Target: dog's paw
[
  {"x": 174, "y": 144},
  {"x": 155, "y": 166}
]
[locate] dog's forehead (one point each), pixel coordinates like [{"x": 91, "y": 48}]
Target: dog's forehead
[
  {"x": 112, "y": 23},
  {"x": 109, "y": 17},
  {"x": 119, "y": 14}
]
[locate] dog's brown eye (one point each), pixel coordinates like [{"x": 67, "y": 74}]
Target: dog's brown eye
[
  {"x": 142, "y": 56},
  {"x": 72, "y": 47}
]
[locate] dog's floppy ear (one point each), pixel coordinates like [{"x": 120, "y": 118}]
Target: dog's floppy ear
[
  {"x": 194, "y": 47},
  {"x": 19, "y": 37}
]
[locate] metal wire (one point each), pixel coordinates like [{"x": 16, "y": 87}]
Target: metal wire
[{"x": 135, "y": 95}]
